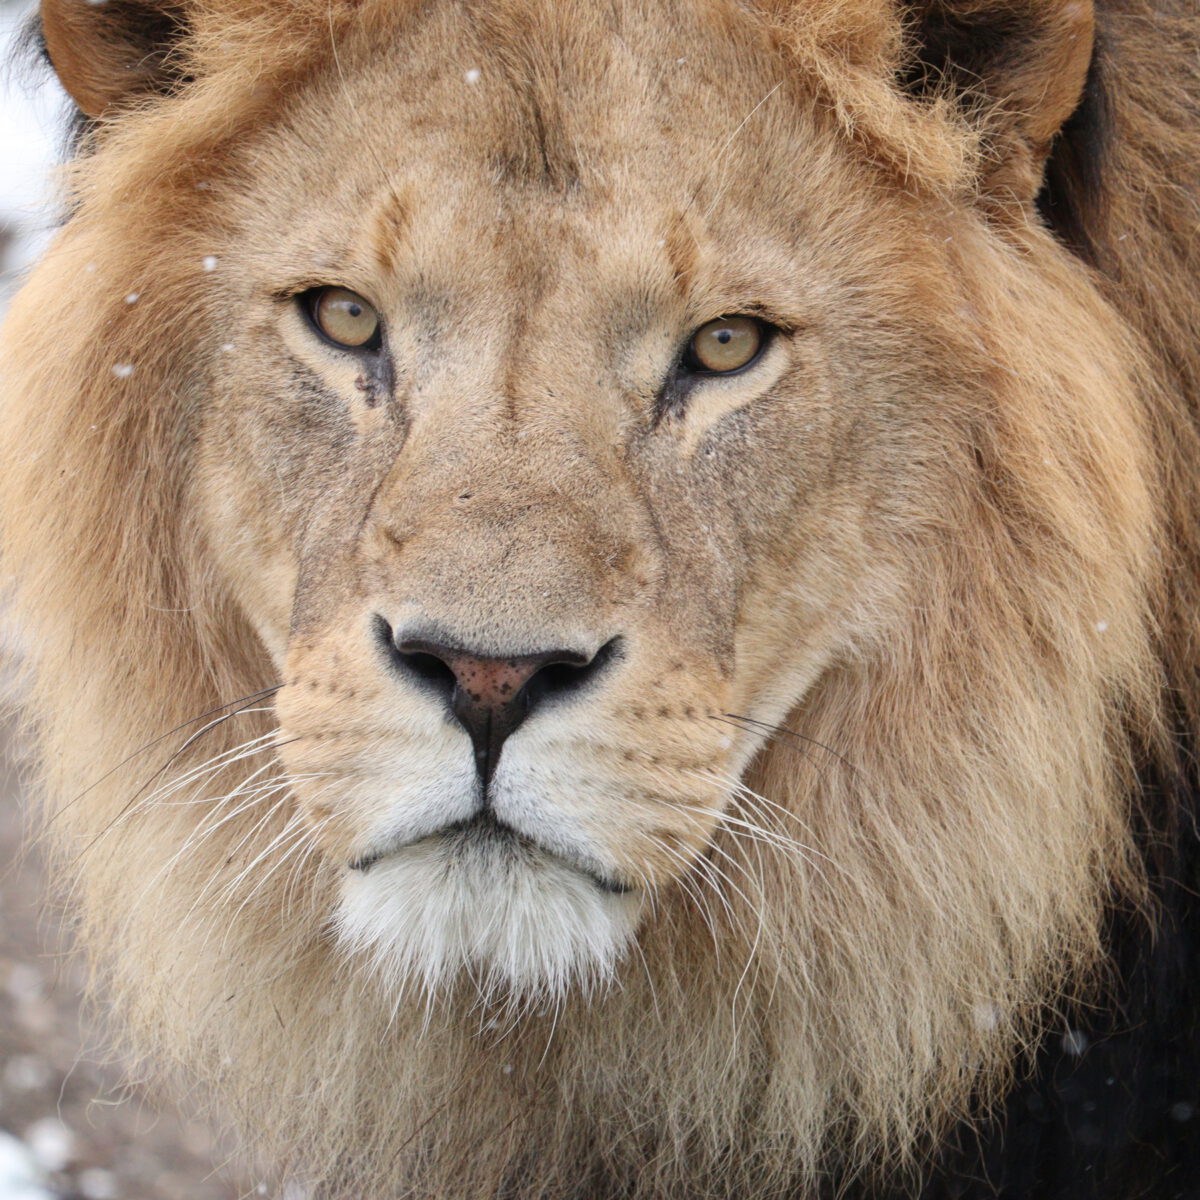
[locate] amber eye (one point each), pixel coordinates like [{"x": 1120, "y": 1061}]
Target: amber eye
[
  {"x": 724, "y": 346},
  {"x": 344, "y": 317}
]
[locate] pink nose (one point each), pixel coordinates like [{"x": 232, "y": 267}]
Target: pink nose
[
  {"x": 491, "y": 682},
  {"x": 491, "y": 697}
]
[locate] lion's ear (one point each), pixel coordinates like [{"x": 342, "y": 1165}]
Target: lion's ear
[
  {"x": 1019, "y": 65},
  {"x": 108, "y": 51}
]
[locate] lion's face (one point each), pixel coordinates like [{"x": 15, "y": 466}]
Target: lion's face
[
  {"x": 537, "y": 582},
  {"x": 699, "y": 519}
]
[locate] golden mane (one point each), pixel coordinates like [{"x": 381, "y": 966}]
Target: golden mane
[{"x": 833, "y": 1014}]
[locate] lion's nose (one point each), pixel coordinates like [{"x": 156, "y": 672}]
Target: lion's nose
[{"x": 491, "y": 696}]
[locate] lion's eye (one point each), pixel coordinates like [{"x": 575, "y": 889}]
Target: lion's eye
[
  {"x": 344, "y": 317},
  {"x": 724, "y": 346}
]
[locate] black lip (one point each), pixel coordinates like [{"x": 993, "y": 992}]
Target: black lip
[{"x": 486, "y": 825}]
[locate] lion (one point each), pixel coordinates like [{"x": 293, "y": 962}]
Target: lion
[{"x": 611, "y": 588}]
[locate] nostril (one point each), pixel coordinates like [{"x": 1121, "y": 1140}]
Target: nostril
[
  {"x": 415, "y": 661},
  {"x": 568, "y": 674},
  {"x": 427, "y": 667}
]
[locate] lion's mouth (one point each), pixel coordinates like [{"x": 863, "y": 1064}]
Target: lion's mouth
[{"x": 486, "y": 832}]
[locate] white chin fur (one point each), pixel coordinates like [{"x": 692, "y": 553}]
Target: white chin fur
[{"x": 517, "y": 922}]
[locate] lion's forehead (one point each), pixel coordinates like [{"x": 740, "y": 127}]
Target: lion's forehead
[
  {"x": 530, "y": 134},
  {"x": 553, "y": 98}
]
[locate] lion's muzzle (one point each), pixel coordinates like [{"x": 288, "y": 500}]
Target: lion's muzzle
[{"x": 490, "y": 696}]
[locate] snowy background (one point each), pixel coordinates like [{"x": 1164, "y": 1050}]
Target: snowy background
[
  {"x": 71, "y": 1126},
  {"x": 31, "y": 108}
]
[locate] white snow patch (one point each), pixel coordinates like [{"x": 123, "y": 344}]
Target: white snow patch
[
  {"x": 26, "y": 1073},
  {"x": 987, "y": 1017},
  {"x": 472, "y": 76},
  {"x": 123, "y": 370},
  {"x": 24, "y": 983},
  {"x": 20, "y": 1176},
  {"x": 31, "y": 108},
  {"x": 97, "y": 1184},
  {"x": 1074, "y": 1042},
  {"x": 210, "y": 262},
  {"x": 52, "y": 1143}
]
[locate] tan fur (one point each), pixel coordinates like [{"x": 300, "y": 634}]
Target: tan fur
[{"x": 945, "y": 533}]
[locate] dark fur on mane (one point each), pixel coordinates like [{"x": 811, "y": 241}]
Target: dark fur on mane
[
  {"x": 1072, "y": 199},
  {"x": 1111, "y": 1110}
]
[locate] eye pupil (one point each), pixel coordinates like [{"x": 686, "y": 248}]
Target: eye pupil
[{"x": 724, "y": 337}]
